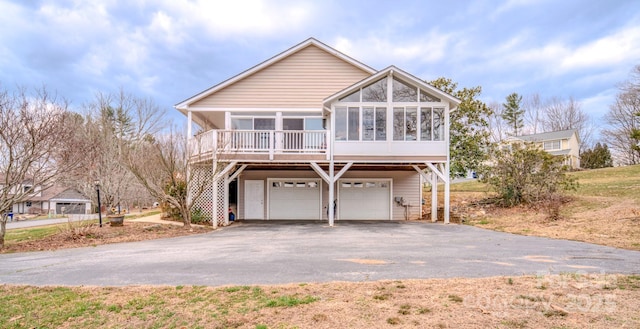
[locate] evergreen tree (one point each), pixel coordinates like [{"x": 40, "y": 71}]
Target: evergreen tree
[
  {"x": 597, "y": 157},
  {"x": 468, "y": 127},
  {"x": 513, "y": 114}
]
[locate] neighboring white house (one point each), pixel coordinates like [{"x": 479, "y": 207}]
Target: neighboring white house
[
  {"x": 314, "y": 134},
  {"x": 565, "y": 143},
  {"x": 55, "y": 200}
]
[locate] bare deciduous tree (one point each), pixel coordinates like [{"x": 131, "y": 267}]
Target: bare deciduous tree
[
  {"x": 36, "y": 146},
  {"x": 533, "y": 114},
  {"x": 161, "y": 165},
  {"x": 624, "y": 119},
  {"x": 565, "y": 115},
  {"x": 114, "y": 122},
  {"x": 497, "y": 124}
]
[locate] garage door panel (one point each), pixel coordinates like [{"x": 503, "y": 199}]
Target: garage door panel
[
  {"x": 294, "y": 199},
  {"x": 364, "y": 199}
]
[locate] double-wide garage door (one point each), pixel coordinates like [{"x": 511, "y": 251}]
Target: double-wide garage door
[
  {"x": 368, "y": 199},
  {"x": 364, "y": 199},
  {"x": 295, "y": 198}
]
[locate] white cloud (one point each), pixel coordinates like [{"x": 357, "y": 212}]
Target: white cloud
[
  {"x": 559, "y": 57},
  {"x": 385, "y": 51},
  {"x": 623, "y": 46},
  {"x": 229, "y": 19}
]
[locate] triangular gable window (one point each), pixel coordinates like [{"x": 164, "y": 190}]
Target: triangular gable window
[
  {"x": 375, "y": 92},
  {"x": 425, "y": 97},
  {"x": 403, "y": 92},
  {"x": 354, "y": 97}
]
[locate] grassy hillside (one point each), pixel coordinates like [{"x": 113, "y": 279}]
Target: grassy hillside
[
  {"x": 605, "y": 210},
  {"x": 608, "y": 182}
]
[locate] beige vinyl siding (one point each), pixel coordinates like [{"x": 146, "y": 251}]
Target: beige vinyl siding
[
  {"x": 574, "y": 146},
  {"x": 301, "y": 80}
]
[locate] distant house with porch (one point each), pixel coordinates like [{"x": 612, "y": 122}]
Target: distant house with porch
[{"x": 564, "y": 143}]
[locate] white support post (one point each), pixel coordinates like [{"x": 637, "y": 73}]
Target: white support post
[
  {"x": 435, "y": 170},
  {"x": 331, "y": 194},
  {"x": 214, "y": 201},
  {"x": 446, "y": 193},
  {"x": 422, "y": 173},
  {"x": 434, "y": 196},
  {"x": 329, "y": 147},
  {"x": 342, "y": 171},
  {"x": 226, "y": 200},
  {"x": 320, "y": 172},
  {"x": 237, "y": 172}
]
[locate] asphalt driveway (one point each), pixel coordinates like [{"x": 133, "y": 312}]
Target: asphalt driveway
[{"x": 266, "y": 253}]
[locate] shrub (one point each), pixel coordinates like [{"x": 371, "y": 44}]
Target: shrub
[
  {"x": 79, "y": 230},
  {"x": 525, "y": 174}
]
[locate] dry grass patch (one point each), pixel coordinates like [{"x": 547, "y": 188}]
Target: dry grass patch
[
  {"x": 604, "y": 210},
  {"x": 568, "y": 301},
  {"x": 599, "y": 220},
  {"x": 87, "y": 234}
]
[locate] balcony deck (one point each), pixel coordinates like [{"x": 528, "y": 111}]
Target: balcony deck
[
  {"x": 304, "y": 146},
  {"x": 260, "y": 145}
]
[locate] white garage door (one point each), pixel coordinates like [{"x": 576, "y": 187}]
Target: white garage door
[
  {"x": 294, "y": 198},
  {"x": 364, "y": 199}
]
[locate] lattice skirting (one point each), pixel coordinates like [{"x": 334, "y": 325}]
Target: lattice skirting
[{"x": 208, "y": 202}]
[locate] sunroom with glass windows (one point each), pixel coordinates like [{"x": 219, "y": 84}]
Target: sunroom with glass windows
[{"x": 390, "y": 113}]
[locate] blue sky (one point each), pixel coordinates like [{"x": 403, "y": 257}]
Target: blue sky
[{"x": 170, "y": 50}]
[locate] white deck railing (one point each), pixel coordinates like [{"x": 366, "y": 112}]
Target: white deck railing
[{"x": 259, "y": 141}]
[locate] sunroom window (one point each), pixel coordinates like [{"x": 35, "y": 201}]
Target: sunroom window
[
  {"x": 410, "y": 118},
  {"x": 354, "y": 97},
  {"x": 426, "y": 97},
  {"x": 347, "y": 123},
  {"x": 375, "y": 92},
  {"x": 438, "y": 124},
  {"x": 403, "y": 92},
  {"x": 405, "y": 123},
  {"x": 374, "y": 123}
]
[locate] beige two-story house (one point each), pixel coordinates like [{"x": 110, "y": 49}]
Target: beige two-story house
[
  {"x": 313, "y": 134},
  {"x": 564, "y": 143}
]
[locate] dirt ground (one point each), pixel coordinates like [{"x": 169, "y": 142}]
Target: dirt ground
[
  {"x": 601, "y": 220},
  {"x": 84, "y": 236}
]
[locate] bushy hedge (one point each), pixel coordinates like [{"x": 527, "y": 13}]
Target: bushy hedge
[{"x": 525, "y": 174}]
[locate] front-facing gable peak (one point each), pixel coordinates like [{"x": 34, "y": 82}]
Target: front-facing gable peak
[
  {"x": 393, "y": 71},
  {"x": 294, "y": 51}
]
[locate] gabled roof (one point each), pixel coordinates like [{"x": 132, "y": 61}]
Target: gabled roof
[
  {"x": 552, "y": 135},
  {"x": 182, "y": 106},
  {"x": 403, "y": 75},
  {"x": 59, "y": 192}
]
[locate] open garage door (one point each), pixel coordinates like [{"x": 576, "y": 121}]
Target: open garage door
[
  {"x": 364, "y": 199},
  {"x": 294, "y": 198}
]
